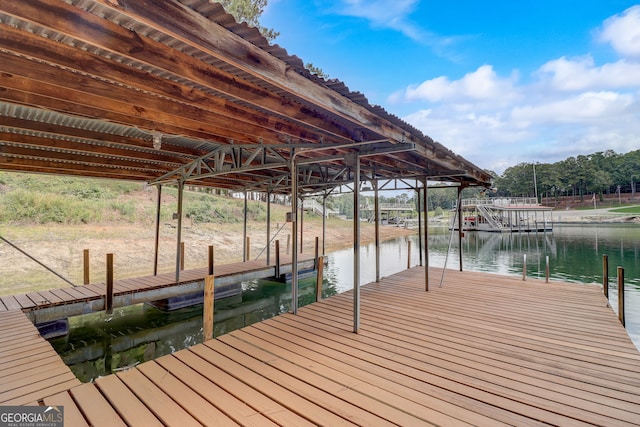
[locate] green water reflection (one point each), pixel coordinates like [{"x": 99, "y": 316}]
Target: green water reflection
[{"x": 98, "y": 345}]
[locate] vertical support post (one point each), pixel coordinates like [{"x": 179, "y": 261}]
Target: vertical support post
[
  {"x": 319, "y": 274},
  {"x": 419, "y": 196},
  {"x": 268, "y": 228},
  {"x": 460, "y": 232},
  {"x": 85, "y": 262},
  {"x": 316, "y": 251},
  {"x": 408, "y": 254},
  {"x": 108, "y": 303},
  {"x": 301, "y": 225},
  {"x": 426, "y": 237},
  {"x": 605, "y": 275},
  {"x": 546, "y": 269},
  {"x": 289, "y": 242},
  {"x": 294, "y": 232},
  {"x": 157, "y": 242},
  {"x": 324, "y": 223},
  {"x": 356, "y": 244},
  {"x": 209, "y": 303},
  {"x": 248, "y": 249},
  {"x": 179, "y": 238},
  {"x": 621, "y": 295},
  {"x": 524, "y": 267},
  {"x": 244, "y": 229},
  {"x": 376, "y": 207},
  {"x": 278, "y": 258},
  {"x": 181, "y": 256},
  {"x": 210, "y": 258}
]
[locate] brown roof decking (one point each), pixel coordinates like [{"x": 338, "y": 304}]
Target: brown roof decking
[{"x": 86, "y": 85}]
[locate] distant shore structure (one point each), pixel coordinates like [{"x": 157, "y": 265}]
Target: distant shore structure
[{"x": 519, "y": 214}]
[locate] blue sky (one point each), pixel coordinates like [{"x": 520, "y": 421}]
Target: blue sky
[{"x": 500, "y": 82}]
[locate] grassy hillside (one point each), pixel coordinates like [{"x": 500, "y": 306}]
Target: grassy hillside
[{"x": 55, "y": 218}]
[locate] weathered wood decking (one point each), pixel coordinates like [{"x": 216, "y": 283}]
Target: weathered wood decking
[
  {"x": 29, "y": 367},
  {"x": 43, "y": 306},
  {"x": 483, "y": 350}
]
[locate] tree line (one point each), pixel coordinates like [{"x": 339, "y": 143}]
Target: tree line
[{"x": 604, "y": 172}]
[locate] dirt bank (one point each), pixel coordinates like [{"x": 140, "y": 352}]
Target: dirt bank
[{"x": 61, "y": 248}]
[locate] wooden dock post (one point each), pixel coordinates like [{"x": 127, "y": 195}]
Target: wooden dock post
[
  {"x": 181, "y": 256},
  {"x": 546, "y": 269},
  {"x": 317, "y": 251},
  {"x": 524, "y": 267},
  {"x": 621, "y": 295},
  {"x": 85, "y": 259},
  {"x": 209, "y": 302},
  {"x": 211, "y": 260},
  {"x": 108, "y": 304},
  {"x": 319, "y": 274},
  {"x": 277, "y": 258},
  {"x": 605, "y": 275},
  {"x": 248, "y": 254},
  {"x": 409, "y": 254}
]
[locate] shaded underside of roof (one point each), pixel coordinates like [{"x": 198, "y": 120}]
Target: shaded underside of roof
[{"x": 168, "y": 90}]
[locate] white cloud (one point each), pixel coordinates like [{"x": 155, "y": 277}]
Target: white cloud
[
  {"x": 582, "y": 73},
  {"x": 622, "y": 31},
  {"x": 382, "y": 13},
  {"x": 570, "y": 106},
  {"x": 482, "y": 84}
]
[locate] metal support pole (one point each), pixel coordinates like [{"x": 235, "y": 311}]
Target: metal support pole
[
  {"x": 356, "y": 245},
  {"x": 418, "y": 194},
  {"x": 157, "y": 244},
  {"x": 294, "y": 232},
  {"x": 179, "y": 238},
  {"x": 268, "y": 228},
  {"x": 426, "y": 237},
  {"x": 319, "y": 274},
  {"x": 460, "y": 232},
  {"x": 621, "y": 295},
  {"x": 605, "y": 275},
  {"x": 324, "y": 223},
  {"x": 546, "y": 269},
  {"x": 277, "y": 258},
  {"x": 301, "y": 225},
  {"x": 524, "y": 267},
  {"x": 408, "y": 254},
  {"x": 244, "y": 229},
  {"x": 376, "y": 206}
]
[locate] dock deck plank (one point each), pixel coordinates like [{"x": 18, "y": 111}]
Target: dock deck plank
[{"x": 482, "y": 350}]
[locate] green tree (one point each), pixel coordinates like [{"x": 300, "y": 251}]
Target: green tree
[{"x": 250, "y": 11}]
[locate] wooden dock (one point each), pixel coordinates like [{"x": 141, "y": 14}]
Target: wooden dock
[
  {"x": 44, "y": 306},
  {"x": 482, "y": 350}
]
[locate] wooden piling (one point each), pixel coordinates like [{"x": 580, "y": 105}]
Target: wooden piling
[
  {"x": 108, "y": 305},
  {"x": 409, "y": 254},
  {"x": 181, "y": 256},
  {"x": 621, "y": 295},
  {"x": 85, "y": 258},
  {"x": 248, "y": 254},
  {"x": 277, "y": 258},
  {"x": 320, "y": 272},
  {"x": 605, "y": 275},
  {"x": 209, "y": 301},
  {"x": 211, "y": 253},
  {"x": 524, "y": 267}
]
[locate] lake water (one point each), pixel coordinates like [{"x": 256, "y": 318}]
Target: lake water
[{"x": 98, "y": 345}]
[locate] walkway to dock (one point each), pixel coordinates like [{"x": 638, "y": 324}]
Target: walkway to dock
[
  {"x": 44, "y": 306},
  {"x": 482, "y": 350}
]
